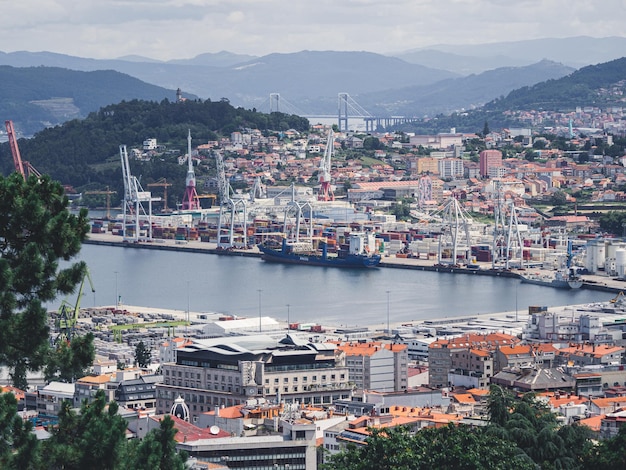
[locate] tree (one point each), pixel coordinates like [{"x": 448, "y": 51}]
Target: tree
[
  {"x": 36, "y": 231},
  {"x": 486, "y": 129},
  {"x": 95, "y": 439},
  {"x": 143, "y": 355},
  {"x": 19, "y": 447},
  {"x": 609, "y": 453},
  {"x": 558, "y": 198},
  {"x": 70, "y": 361},
  {"x": 450, "y": 447},
  {"x": 157, "y": 450}
]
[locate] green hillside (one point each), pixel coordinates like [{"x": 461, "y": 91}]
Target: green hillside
[
  {"x": 38, "y": 97},
  {"x": 85, "y": 153}
]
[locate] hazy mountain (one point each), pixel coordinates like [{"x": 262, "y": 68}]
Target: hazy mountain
[
  {"x": 464, "y": 58},
  {"x": 38, "y": 97},
  {"x": 309, "y": 79},
  {"x": 217, "y": 59},
  {"x": 461, "y": 93}
]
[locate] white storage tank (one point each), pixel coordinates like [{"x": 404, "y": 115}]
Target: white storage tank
[
  {"x": 620, "y": 263},
  {"x": 596, "y": 256}
]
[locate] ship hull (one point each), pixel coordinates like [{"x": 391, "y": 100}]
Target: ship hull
[
  {"x": 349, "y": 261},
  {"x": 558, "y": 283}
]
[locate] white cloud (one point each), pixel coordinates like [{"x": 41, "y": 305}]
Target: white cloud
[{"x": 166, "y": 29}]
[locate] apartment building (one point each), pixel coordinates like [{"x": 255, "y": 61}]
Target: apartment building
[
  {"x": 377, "y": 366},
  {"x": 229, "y": 371},
  {"x": 470, "y": 355}
]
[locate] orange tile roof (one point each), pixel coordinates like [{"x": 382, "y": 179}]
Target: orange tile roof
[
  {"x": 96, "y": 379},
  {"x": 590, "y": 350},
  {"x": 231, "y": 412},
  {"x": 593, "y": 422},
  {"x": 19, "y": 393},
  {"x": 189, "y": 432},
  {"x": 368, "y": 349},
  {"x": 604, "y": 402},
  {"x": 465, "y": 398},
  {"x": 473, "y": 340}
]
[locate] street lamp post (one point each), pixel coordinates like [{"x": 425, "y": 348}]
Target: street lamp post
[
  {"x": 259, "y": 291},
  {"x": 388, "y": 329},
  {"x": 288, "y": 317},
  {"x": 116, "y": 297}
]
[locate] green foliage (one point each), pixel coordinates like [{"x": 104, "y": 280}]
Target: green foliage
[
  {"x": 19, "y": 448},
  {"x": 157, "y": 451},
  {"x": 70, "y": 361},
  {"x": 558, "y": 198},
  {"x": 36, "y": 231},
  {"x": 402, "y": 210},
  {"x": 609, "y": 453},
  {"x": 613, "y": 222},
  {"x": 74, "y": 152},
  {"x": 94, "y": 439},
  {"x": 451, "y": 447},
  {"x": 143, "y": 355}
]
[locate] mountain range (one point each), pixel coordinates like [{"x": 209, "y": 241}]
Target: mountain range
[{"x": 441, "y": 79}]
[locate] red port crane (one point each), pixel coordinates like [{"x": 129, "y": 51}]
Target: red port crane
[
  {"x": 15, "y": 151},
  {"x": 17, "y": 158}
]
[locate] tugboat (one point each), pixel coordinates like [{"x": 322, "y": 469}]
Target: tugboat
[{"x": 359, "y": 255}]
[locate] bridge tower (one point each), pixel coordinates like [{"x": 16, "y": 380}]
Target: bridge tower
[
  {"x": 342, "y": 116},
  {"x": 274, "y": 103}
]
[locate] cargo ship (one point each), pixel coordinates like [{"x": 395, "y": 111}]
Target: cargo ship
[
  {"x": 562, "y": 279},
  {"x": 358, "y": 255}
]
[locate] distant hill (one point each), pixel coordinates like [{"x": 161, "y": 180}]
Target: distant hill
[
  {"x": 595, "y": 85},
  {"x": 602, "y": 85},
  {"x": 462, "y": 93},
  {"x": 38, "y": 97},
  {"x": 464, "y": 59},
  {"x": 310, "y": 80},
  {"x": 217, "y": 59}
]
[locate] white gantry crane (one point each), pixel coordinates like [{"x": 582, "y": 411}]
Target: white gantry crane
[
  {"x": 455, "y": 233},
  {"x": 233, "y": 213},
  {"x": 323, "y": 175},
  {"x": 507, "y": 238},
  {"x": 134, "y": 197}
]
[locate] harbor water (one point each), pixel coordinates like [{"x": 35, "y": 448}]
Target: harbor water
[{"x": 248, "y": 287}]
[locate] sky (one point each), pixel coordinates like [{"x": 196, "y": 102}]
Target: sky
[{"x": 181, "y": 29}]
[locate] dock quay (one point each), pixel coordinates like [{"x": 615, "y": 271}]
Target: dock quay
[{"x": 594, "y": 282}]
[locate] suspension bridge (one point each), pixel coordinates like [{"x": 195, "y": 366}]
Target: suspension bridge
[{"x": 347, "y": 108}]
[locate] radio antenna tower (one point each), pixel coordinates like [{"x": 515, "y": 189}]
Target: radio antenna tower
[{"x": 190, "y": 199}]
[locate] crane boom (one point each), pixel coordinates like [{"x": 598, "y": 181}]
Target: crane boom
[
  {"x": 69, "y": 314},
  {"x": 15, "y": 150}
]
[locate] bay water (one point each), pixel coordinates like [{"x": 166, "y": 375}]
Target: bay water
[{"x": 249, "y": 287}]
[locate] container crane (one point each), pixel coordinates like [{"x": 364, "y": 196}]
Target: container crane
[
  {"x": 108, "y": 194},
  {"x": 190, "y": 198},
  {"x": 68, "y": 314},
  {"x": 162, "y": 182},
  {"x": 323, "y": 175},
  {"x": 23, "y": 168}
]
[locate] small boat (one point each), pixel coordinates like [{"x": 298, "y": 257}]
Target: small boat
[
  {"x": 562, "y": 279},
  {"x": 358, "y": 256}
]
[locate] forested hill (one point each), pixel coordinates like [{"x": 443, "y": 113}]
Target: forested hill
[
  {"x": 87, "y": 151},
  {"x": 38, "y": 97},
  {"x": 596, "y": 85},
  {"x": 601, "y": 85}
]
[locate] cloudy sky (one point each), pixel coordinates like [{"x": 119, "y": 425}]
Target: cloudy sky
[{"x": 170, "y": 29}]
